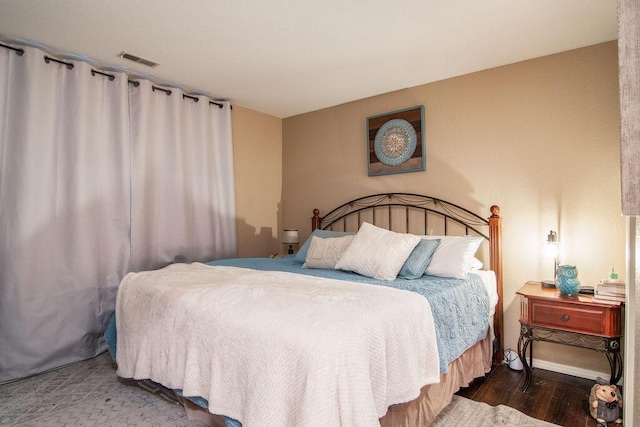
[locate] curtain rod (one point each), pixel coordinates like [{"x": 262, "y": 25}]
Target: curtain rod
[
  {"x": 196, "y": 99},
  {"x": 111, "y": 77},
  {"x": 18, "y": 51},
  {"x": 48, "y": 59}
]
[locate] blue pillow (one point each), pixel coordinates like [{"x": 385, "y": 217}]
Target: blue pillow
[
  {"x": 301, "y": 256},
  {"x": 419, "y": 259}
]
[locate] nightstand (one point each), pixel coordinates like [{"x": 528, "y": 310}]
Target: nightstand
[{"x": 578, "y": 321}]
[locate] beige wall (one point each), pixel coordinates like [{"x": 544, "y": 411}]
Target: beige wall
[
  {"x": 538, "y": 138},
  {"x": 257, "y": 152}
]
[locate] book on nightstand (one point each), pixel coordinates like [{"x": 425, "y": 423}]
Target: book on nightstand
[{"x": 610, "y": 291}]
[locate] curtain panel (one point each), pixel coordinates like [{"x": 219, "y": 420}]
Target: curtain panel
[
  {"x": 64, "y": 200},
  {"x": 183, "y": 208},
  {"x": 97, "y": 178}
]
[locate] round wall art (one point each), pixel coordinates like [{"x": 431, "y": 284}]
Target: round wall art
[{"x": 395, "y": 142}]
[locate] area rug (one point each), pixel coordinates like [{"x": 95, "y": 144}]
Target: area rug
[
  {"x": 90, "y": 393},
  {"x": 466, "y": 412}
]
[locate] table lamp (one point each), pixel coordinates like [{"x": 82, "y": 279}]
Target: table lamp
[
  {"x": 290, "y": 237},
  {"x": 551, "y": 249}
]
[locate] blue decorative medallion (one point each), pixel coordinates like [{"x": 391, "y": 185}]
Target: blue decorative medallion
[{"x": 395, "y": 142}]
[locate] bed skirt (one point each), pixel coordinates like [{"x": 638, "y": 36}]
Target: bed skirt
[{"x": 473, "y": 363}]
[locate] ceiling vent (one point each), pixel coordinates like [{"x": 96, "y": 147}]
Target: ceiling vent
[{"x": 139, "y": 60}]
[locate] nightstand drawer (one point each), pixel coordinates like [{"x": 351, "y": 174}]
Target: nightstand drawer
[{"x": 572, "y": 318}]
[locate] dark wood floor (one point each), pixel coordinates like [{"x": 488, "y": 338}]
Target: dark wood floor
[{"x": 556, "y": 398}]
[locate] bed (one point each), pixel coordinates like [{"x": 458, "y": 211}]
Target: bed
[{"x": 372, "y": 322}]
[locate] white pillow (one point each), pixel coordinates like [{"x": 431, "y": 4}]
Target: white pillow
[
  {"x": 301, "y": 255},
  {"x": 453, "y": 256},
  {"x": 476, "y": 264},
  {"x": 378, "y": 253},
  {"x": 324, "y": 253}
]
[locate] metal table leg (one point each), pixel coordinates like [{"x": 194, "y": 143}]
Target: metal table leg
[{"x": 523, "y": 343}]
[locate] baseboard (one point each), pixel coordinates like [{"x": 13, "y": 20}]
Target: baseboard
[{"x": 572, "y": 370}]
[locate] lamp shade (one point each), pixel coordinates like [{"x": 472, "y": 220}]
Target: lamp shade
[
  {"x": 551, "y": 251},
  {"x": 551, "y": 248},
  {"x": 290, "y": 237}
]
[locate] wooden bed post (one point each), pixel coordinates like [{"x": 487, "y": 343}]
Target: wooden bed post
[
  {"x": 495, "y": 251},
  {"x": 315, "y": 220}
]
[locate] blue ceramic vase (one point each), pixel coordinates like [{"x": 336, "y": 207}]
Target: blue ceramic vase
[{"x": 567, "y": 280}]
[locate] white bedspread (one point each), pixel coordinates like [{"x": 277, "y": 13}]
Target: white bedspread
[{"x": 275, "y": 348}]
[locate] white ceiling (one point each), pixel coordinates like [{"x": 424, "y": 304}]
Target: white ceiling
[{"x": 287, "y": 57}]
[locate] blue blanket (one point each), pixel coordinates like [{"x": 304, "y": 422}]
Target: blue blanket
[{"x": 460, "y": 307}]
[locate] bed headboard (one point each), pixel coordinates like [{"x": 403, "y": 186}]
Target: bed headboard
[{"x": 418, "y": 214}]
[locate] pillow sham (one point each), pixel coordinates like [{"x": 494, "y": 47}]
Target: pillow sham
[
  {"x": 453, "y": 256},
  {"x": 377, "y": 253},
  {"x": 415, "y": 266},
  {"x": 476, "y": 264},
  {"x": 301, "y": 256},
  {"x": 325, "y": 253}
]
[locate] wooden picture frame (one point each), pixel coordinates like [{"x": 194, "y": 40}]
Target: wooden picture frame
[{"x": 396, "y": 142}]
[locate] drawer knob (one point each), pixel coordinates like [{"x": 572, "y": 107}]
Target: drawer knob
[{"x": 565, "y": 317}]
